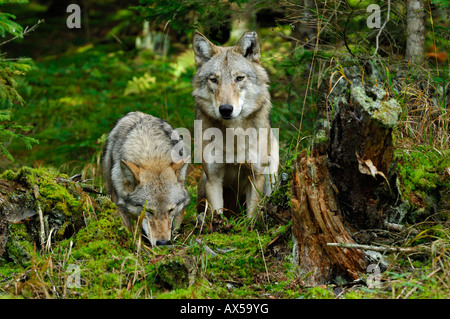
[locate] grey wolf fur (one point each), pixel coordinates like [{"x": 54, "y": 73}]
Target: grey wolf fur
[
  {"x": 138, "y": 167},
  {"x": 231, "y": 91}
]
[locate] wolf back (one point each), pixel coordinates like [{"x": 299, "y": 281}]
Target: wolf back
[{"x": 141, "y": 168}]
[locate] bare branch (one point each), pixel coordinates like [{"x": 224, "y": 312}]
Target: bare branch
[
  {"x": 24, "y": 32},
  {"x": 382, "y": 27}
]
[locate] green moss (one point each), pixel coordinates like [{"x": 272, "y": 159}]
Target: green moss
[
  {"x": 319, "y": 293},
  {"x": 19, "y": 247},
  {"x": 107, "y": 226},
  {"x": 175, "y": 273},
  {"x": 423, "y": 178}
]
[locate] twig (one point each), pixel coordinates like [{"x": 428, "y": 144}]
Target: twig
[
  {"x": 264, "y": 259},
  {"x": 42, "y": 232},
  {"x": 24, "y": 32},
  {"x": 381, "y": 248},
  {"x": 382, "y": 27},
  {"x": 41, "y": 216},
  {"x": 394, "y": 227},
  {"x": 48, "y": 246},
  {"x": 211, "y": 252},
  {"x": 204, "y": 216},
  {"x": 345, "y": 29}
]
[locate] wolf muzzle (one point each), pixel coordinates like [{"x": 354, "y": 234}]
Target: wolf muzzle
[{"x": 226, "y": 110}]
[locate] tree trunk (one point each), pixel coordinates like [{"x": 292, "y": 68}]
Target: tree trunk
[
  {"x": 304, "y": 28},
  {"x": 154, "y": 41},
  {"x": 316, "y": 222},
  {"x": 415, "y": 39},
  {"x": 242, "y": 19}
]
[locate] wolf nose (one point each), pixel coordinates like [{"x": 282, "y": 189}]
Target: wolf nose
[
  {"x": 162, "y": 242},
  {"x": 226, "y": 110}
]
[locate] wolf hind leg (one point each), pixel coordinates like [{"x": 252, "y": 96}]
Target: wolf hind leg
[
  {"x": 253, "y": 194},
  {"x": 201, "y": 194}
]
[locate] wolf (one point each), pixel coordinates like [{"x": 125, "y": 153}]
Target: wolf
[
  {"x": 144, "y": 167},
  {"x": 231, "y": 94}
]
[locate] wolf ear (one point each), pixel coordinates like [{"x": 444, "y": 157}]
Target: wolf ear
[
  {"x": 248, "y": 46},
  {"x": 130, "y": 172},
  {"x": 203, "y": 49},
  {"x": 180, "y": 168}
]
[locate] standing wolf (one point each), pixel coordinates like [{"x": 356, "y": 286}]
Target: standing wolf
[
  {"x": 231, "y": 95},
  {"x": 143, "y": 163}
]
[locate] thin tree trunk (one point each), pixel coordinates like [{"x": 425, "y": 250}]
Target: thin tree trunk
[
  {"x": 304, "y": 28},
  {"x": 242, "y": 19},
  {"x": 415, "y": 41}
]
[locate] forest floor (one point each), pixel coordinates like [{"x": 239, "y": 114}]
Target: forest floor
[{"x": 73, "y": 101}]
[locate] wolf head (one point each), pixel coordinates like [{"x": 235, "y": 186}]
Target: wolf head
[
  {"x": 230, "y": 82},
  {"x": 159, "y": 189}
]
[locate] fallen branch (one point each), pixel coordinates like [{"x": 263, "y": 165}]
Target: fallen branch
[
  {"x": 77, "y": 179},
  {"x": 382, "y": 249}
]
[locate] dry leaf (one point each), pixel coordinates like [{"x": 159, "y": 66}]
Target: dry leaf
[{"x": 366, "y": 167}]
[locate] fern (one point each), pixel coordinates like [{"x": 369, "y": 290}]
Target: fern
[
  {"x": 185, "y": 61},
  {"x": 139, "y": 85}
]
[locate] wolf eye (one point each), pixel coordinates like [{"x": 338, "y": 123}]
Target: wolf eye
[
  {"x": 213, "y": 80},
  {"x": 240, "y": 78}
]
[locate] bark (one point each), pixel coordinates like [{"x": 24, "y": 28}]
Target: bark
[
  {"x": 415, "y": 29},
  {"x": 317, "y": 222}
]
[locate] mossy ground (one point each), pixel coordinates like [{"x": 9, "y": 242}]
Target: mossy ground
[
  {"x": 111, "y": 266},
  {"x": 239, "y": 259}
]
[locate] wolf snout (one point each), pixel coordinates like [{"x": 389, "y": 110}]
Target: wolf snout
[
  {"x": 226, "y": 110},
  {"x": 163, "y": 242}
]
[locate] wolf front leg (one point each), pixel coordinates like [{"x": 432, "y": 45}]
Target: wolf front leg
[
  {"x": 214, "y": 189},
  {"x": 254, "y": 194},
  {"x": 214, "y": 195}
]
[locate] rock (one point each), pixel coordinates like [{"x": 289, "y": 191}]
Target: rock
[{"x": 176, "y": 272}]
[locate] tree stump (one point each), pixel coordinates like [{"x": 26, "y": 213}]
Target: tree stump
[
  {"x": 360, "y": 154},
  {"x": 345, "y": 186},
  {"x": 316, "y": 222}
]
